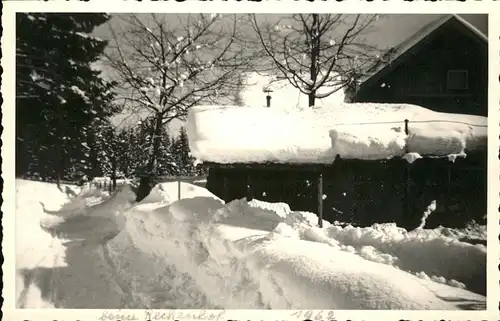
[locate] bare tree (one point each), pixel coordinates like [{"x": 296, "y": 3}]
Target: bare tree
[
  {"x": 165, "y": 64},
  {"x": 318, "y": 54}
]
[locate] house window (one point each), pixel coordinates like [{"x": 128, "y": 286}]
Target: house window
[{"x": 457, "y": 80}]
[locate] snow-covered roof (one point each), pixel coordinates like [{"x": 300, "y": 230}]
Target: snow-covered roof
[
  {"x": 427, "y": 31},
  {"x": 230, "y": 134}
]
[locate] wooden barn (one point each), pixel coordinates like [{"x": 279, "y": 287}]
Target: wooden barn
[
  {"x": 338, "y": 183},
  {"x": 444, "y": 67}
]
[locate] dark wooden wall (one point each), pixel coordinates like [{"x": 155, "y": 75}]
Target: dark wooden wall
[
  {"x": 422, "y": 78},
  {"x": 363, "y": 193}
]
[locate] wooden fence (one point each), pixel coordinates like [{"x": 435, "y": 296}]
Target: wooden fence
[
  {"x": 196, "y": 180},
  {"x": 107, "y": 185}
]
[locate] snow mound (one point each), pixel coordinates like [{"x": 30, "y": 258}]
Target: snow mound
[
  {"x": 92, "y": 225},
  {"x": 198, "y": 252},
  {"x": 319, "y": 134},
  {"x": 337, "y": 280},
  {"x": 421, "y": 251},
  {"x": 86, "y": 197},
  {"x": 368, "y": 142},
  {"x": 166, "y": 193},
  {"x": 30, "y": 238}
]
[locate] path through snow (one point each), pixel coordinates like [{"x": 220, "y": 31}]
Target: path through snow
[{"x": 97, "y": 251}]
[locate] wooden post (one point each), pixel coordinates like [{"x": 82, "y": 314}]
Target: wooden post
[
  {"x": 406, "y": 132},
  {"x": 320, "y": 200},
  {"x": 448, "y": 189},
  {"x": 407, "y": 207},
  {"x": 178, "y": 189}
]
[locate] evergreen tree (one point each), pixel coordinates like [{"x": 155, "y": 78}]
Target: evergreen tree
[
  {"x": 182, "y": 154},
  {"x": 200, "y": 170},
  {"x": 58, "y": 94},
  {"x": 164, "y": 162},
  {"x": 99, "y": 137},
  {"x": 125, "y": 152},
  {"x": 109, "y": 152},
  {"x": 145, "y": 134}
]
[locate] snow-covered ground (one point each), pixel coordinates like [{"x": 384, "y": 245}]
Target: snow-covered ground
[
  {"x": 106, "y": 179},
  {"x": 96, "y": 250},
  {"x": 319, "y": 134}
]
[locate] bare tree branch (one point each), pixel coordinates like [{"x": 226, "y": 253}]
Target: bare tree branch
[
  {"x": 318, "y": 54},
  {"x": 165, "y": 64}
]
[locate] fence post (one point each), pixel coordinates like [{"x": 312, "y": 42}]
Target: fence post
[
  {"x": 320, "y": 199},
  {"x": 407, "y": 206},
  {"x": 406, "y": 133},
  {"x": 178, "y": 189},
  {"x": 448, "y": 188}
]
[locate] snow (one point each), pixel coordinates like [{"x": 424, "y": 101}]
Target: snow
[
  {"x": 96, "y": 250},
  {"x": 317, "y": 135},
  {"x": 79, "y": 92},
  {"x": 87, "y": 36},
  {"x": 166, "y": 193},
  {"x": 430, "y": 209},
  {"x": 411, "y": 157},
  {"x": 102, "y": 179}
]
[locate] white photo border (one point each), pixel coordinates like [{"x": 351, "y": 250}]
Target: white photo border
[{"x": 8, "y": 207}]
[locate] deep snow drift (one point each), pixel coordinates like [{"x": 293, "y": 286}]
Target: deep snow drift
[
  {"x": 103, "y": 251},
  {"x": 318, "y": 135}
]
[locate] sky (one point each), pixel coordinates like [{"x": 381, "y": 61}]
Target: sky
[{"x": 386, "y": 32}]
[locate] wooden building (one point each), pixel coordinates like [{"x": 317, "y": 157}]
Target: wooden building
[
  {"x": 364, "y": 192},
  {"x": 443, "y": 67}
]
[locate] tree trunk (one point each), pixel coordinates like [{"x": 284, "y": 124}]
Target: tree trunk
[
  {"x": 113, "y": 172},
  {"x": 146, "y": 182},
  {"x": 144, "y": 188},
  {"x": 315, "y": 51},
  {"x": 312, "y": 98},
  {"x": 156, "y": 145},
  {"x": 58, "y": 165},
  {"x": 93, "y": 171}
]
